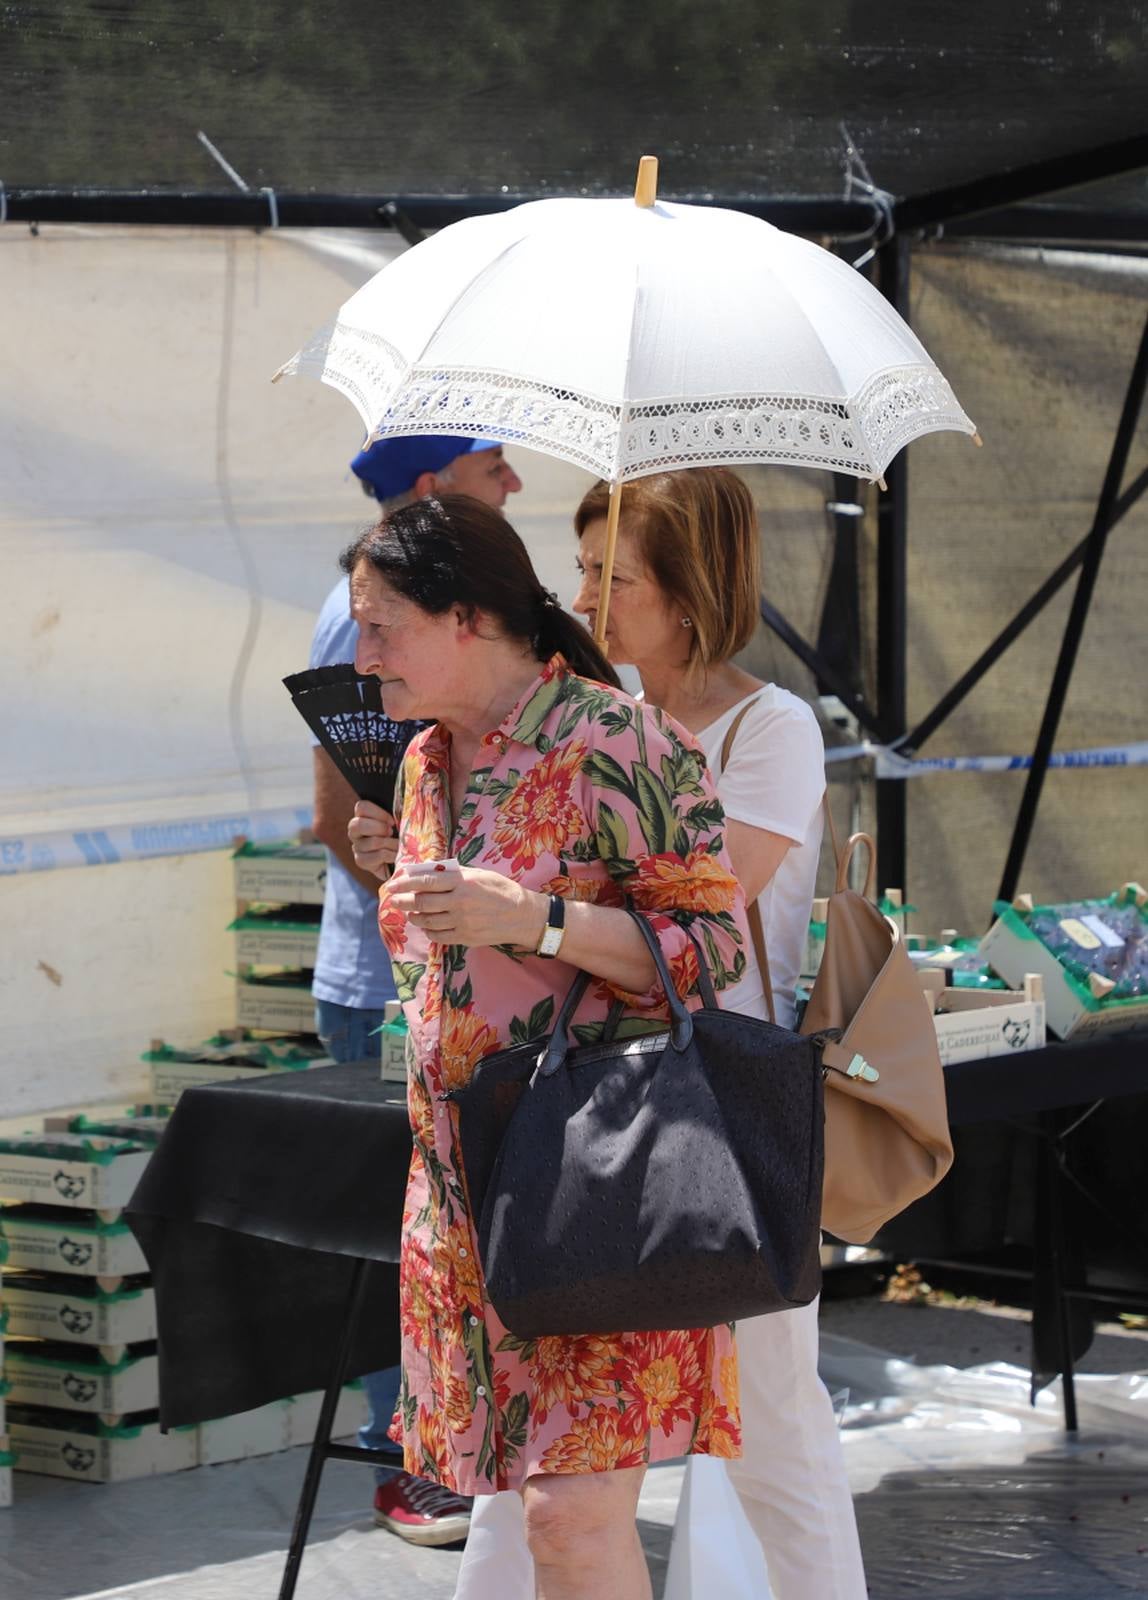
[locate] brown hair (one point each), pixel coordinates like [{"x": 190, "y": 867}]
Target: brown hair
[
  {"x": 697, "y": 533},
  {"x": 455, "y": 550}
]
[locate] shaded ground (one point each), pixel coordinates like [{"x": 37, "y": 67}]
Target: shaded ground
[
  {"x": 961, "y": 1488},
  {"x": 969, "y": 1335}
]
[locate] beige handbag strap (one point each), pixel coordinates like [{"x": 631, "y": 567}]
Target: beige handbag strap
[
  {"x": 845, "y": 856},
  {"x": 833, "y": 839},
  {"x": 752, "y": 912},
  {"x": 842, "y": 856}
]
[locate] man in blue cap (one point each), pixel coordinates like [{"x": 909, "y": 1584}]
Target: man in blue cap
[
  {"x": 353, "y": 980},
  {"x": 396, "y": 471}
]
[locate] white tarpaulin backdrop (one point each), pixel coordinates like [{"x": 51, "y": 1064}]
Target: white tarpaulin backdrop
[{"x": 169, "y": 525}]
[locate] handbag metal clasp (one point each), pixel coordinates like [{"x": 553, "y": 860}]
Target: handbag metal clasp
[
  {"x": 859, "y": 1068},
  {"x": 856, "y": 1067}
]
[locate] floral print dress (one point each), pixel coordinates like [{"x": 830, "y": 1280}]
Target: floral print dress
[{"x": 581, "y": 792}]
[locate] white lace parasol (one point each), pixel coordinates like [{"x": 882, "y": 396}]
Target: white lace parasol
[
  {"x": 635, "y": 338},
  {"x": 631, "y": 339}
]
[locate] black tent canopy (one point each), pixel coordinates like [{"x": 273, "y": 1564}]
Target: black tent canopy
[{"x": 741, "y": 100}]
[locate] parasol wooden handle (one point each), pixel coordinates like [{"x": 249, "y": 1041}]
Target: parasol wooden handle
[
  {"x": 604, "y": 582},
  {"x": 645, "y": 194},
  {"x": 646, "y": 187}
]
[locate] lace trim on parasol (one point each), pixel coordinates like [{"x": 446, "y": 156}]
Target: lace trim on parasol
[
  {"x": 364, "y": 366},
  {"x": 860, "y": 436}
]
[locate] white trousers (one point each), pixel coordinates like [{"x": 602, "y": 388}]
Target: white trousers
[{"x": 790, "y": 1487}]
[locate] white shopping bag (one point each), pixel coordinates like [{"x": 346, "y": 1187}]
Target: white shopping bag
[{"x": 714, "y": 1550}]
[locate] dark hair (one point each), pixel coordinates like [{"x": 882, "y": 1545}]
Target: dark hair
[{"x": 454, "y": 550}]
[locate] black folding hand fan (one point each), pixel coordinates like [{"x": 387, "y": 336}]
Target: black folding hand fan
[{"x": 345, "y": 713}]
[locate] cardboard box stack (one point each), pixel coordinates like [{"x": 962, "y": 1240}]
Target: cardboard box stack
[
  {"x": 279, "y": 902},
  {"x": 83, "y": 1386},
  {"x": 279, "y": 897},
  {"x": 79, "y": 1308}
]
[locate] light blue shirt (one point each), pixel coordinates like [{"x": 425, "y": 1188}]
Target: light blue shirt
[{"x": 352, "y": 967}]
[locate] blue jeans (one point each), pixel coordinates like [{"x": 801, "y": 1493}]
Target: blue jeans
[{"x": 349, "y": 1033}]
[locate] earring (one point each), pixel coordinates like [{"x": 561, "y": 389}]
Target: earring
[{"x": 686, "y": 623}]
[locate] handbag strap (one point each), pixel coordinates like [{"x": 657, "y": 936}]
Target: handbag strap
[
  {"x": 752, "y": 909},
  {"x": 681, "y": 1023},
  {"x": 562, "y": 1021},
  {"x": 845, "y": 856}
]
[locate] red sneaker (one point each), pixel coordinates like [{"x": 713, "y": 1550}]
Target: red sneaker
[{"x": 421, "y": 1512}]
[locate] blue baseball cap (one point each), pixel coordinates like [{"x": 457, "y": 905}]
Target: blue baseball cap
[{"x": 391, "y": 466}]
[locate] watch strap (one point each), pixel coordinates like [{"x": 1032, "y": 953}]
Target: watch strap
[{"x": 553, "y": 933}]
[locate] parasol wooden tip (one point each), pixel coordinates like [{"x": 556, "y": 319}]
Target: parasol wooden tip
[
  {"x": 646, "y": 187},
  {"x": 882, "y": 485},
  {"x": 977, "y": 440}
]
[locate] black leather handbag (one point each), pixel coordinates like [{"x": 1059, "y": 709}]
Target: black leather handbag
[{"x": 671, "y": 1180}]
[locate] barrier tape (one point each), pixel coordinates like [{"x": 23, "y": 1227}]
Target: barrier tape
[
  {"x": 888, "y": 764},
  {"x": 98, "y": 847}
]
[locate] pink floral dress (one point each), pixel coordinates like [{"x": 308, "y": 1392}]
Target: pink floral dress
[{"x": 582, "y": 792}]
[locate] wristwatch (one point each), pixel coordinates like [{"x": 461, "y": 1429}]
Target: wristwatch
[{"x": 555, "y": 929}]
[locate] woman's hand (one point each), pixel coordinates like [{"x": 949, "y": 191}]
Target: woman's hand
[
  {"x": 374, "y": 840},
  {"x": 470, "y": 907}
]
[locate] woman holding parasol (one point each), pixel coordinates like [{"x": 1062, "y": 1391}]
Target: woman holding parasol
[
  {"x": 688, "y": 337},
  {"x": 684, "y": 598}
]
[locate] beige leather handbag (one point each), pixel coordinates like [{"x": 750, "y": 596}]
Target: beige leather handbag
[{"x": 886, "y": 1123}]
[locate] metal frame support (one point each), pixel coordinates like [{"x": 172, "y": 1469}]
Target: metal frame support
[
  {"x": 825, "y": 671},
  {"x": 1032, "y": 608},
  {"x": 1030, "y": 182},
  {"x": 843, "y": 219},
  {"x": 893, "y": 260},
  {"x": 1077, "y": 617}
]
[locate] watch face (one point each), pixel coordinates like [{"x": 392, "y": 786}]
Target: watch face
[{"x": 551, "y": 942}]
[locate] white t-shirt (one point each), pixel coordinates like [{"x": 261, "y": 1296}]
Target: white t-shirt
[{"x": 775, "y": 779}]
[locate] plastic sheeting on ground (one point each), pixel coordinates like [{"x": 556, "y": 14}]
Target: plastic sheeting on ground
[{"x": 962, "y": 1489}]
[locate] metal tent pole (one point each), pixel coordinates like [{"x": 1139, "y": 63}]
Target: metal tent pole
[
  {"x": 1077, "y": 617},
  {"x": 839, "y": 632},
  {"x": 892, "y": 603}
]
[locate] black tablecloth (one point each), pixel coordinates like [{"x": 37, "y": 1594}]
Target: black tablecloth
[
  {"x": 1097, "y": 1068},
  {"x": 262, "y": 1195},
  {"x": 263, "y": 1192},
  {"x": 1043, "y": 1189},
  {"x": 1000, "y": 1110}
]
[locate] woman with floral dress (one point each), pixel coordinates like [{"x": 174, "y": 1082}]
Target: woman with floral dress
[{"x": 562, "y": 800}]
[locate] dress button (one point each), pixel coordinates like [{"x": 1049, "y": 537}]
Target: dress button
[
  {"x": 480, "y": 1391},
  {"x": 474, "y": 1322},
  {"x": 463, "y": 1251}
]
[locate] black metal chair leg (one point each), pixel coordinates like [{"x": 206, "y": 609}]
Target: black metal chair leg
[
  {"x": 1056, "y": 1275},
  {"x": 1052, "y": 1329},
  {"x": 320, "y": 1447}
]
